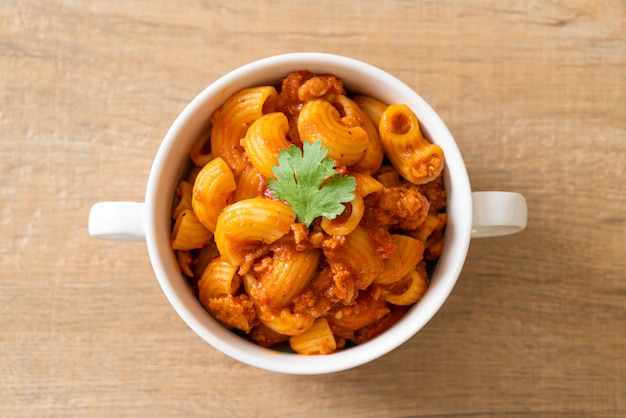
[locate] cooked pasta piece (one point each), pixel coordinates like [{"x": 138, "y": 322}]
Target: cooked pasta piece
[
  {"x": 350, "y": 110},
  {"x": 212, "y": 189},
  {"x": 415, "y": 158},
  {"x": 366, "y": 184},
  {"x": 200, "y": 152},
  {"x": 231, "y": 122},
  {"x": 408, "y": 290},
  {"x": 355, "y": 265},
  {"x": 247, "y": 224},
  {"x": 372, "y": 107},
  {"x": 203, "y": 257},
  {"x": 433, "y": 222},
  {"x": 250, "y": 184},
  {"x": 284, "y": 321},
  {"x": 345, "y": 139},
  {"x": 265, "y": 138},
  {"x": 348, "y": 220},
  {"x": 409, "y": 252},
  {"x": 218, "y": 279},
  {"x": 284, "y": 273},
  {"x": 396, "y": 312},
  {"x": 318, "y": 339},
  {"x": 188, "y": 232},
  {"x": 388, "y": 176},
  {"x": 184, "y": 191},
  {"x": 299, "y": 87}
]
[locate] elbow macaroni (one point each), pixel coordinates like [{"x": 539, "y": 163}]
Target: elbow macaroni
[
  {"x": 188, "y": 232},
  {"x": 250, "y": 223},
  {"x": 285, "y": 274},
  {"x": 212, "y": 189},
  {"x": 317, "y": 339},
  {"x": 415, "y": 158},
  {"x": 374, "y": 154},
  {"x": 322, "y": 288},
  {"x": 408, "y": 253},
  {"x": 265, "y": 138},
  {"x": 345, "y": 138},
  {"x": 348, "y": 220},
  {"x": 231, "y": 122}
]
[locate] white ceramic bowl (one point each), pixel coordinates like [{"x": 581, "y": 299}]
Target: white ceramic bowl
[{"x": 150, "y": 220}]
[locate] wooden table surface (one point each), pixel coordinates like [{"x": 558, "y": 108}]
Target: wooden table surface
[{"x": 535, "y": 95}]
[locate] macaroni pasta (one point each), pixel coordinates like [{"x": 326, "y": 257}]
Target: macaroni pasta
[{"x": 338, "y": 282}]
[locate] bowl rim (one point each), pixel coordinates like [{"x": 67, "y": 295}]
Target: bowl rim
[{"x": 164, "y": 172}]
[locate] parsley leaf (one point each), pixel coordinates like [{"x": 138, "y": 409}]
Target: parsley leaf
[{"x": 307, "y": 181}]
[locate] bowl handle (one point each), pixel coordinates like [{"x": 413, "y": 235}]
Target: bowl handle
[
  {"x": 498, "y": 213},
  {"x": 118, "y": 221}
]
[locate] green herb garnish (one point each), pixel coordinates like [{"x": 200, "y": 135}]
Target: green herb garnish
[{"x": 307, "y": 181}]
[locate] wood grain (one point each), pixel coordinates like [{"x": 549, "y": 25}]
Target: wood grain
[{"x": 534, "y": 93}]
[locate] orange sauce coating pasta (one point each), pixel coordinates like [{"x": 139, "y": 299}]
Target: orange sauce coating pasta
[{"x": 322, "y": 288}]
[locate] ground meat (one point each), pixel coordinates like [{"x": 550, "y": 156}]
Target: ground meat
[
  {"x": 234, "y": 311},
  {"x": 318, "y": 297},
  {"x": 398, "y": 208},
  {"x": 435, "y": 193},
  {"x": 385, "y": 247}
]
